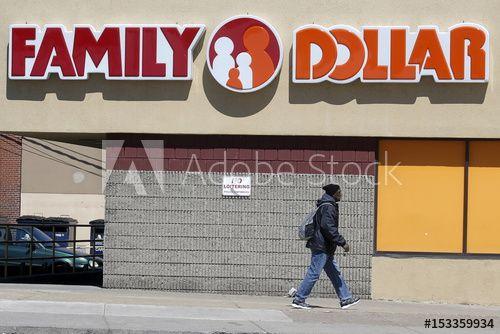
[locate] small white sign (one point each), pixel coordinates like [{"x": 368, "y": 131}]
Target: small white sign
[{"x": 237, "y": 186}]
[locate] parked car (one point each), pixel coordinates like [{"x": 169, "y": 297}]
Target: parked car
[{"x": 26, "y": 242}]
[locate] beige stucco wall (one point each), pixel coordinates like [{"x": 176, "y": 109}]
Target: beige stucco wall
[
  {"x": 201, "y": 106},
  {"x": 63, "y": 179},
  {"x": 82, "y": 207},
  {"x": 58, "y": 167},
  {"x": 468, "y": 280}
]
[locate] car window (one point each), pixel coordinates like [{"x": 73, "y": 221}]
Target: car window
[
  {"x": 40, "y": 236},
  {"x": 20, "y": 235}
]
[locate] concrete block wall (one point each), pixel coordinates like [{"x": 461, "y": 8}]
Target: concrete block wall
[{"x": 175, "y": 231}]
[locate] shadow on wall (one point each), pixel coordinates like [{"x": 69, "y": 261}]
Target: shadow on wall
[
  {"x": 76, "y": 90},
  {"x": 113, "y": 90},
  {"x": 237, "y": 104},
  {"x": 64, "y": 155},
  {"x": 242, "y": 105},
  {"x": 385, "y": 93}
]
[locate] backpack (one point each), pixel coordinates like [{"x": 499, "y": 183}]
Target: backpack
[{"x": 306, "y": 227}]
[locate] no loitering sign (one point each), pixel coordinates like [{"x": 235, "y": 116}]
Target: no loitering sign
[{"x": 237, "y": 186}]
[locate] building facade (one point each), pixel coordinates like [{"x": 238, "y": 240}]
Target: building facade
[{"x": 395, "y": 102}]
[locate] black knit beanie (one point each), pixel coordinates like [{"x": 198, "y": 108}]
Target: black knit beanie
[{"x": 331, "y": 189}]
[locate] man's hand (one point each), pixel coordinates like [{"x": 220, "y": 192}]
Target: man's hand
[{"x": 346, "y": 247}]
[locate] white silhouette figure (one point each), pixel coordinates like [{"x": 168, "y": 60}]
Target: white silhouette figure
[
  {"x": 246, "y": 76},
  {"x": 223, "y": 62}
]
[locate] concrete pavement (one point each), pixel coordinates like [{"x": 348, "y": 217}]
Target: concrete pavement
[{"x": 75, "y": 309}]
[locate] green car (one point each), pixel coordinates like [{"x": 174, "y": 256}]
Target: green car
[{"x": 44, "y": 253}]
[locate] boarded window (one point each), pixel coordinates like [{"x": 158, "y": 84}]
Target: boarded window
[
  {"x": 483, "y": 223},
  {"x": 420, "y": 196}
]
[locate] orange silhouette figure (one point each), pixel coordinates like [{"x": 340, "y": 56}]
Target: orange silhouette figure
[
  {"x": 256, "y": 40},
  {"x": 233, "y": 80}
]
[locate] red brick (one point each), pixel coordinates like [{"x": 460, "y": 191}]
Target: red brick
[
  {"x": 175, "y": 164},
  {"x": 232, "y": 153},
  {"x": 230, "y": 164},
  {"x": 353, "y": 168},
  {"x": 308, "y": 154},
  {"x": 316, "y": 167},
  {"x": 169, "y": 152},
  {"x": 319, "y": 165},
  {"x": 368, "y": 169},
  {"x": 284, "y": 155},
  {"x": 152, "y": 152},
  {"x": 219, "y": 153},
  {"x": 215, "y": 166},
  {"x": 264, "y": 167},
  {"x": 259, "y": 155},
  {"x": 283, "y": 167},
  {"x": 185, "y": 165},
  {"x": 142, "y": 164},
  {"x": 328, "y": 167},
  {"x": 337, "y": 156},
  {"x": 195, "y": 166},
  {"x": 239, "y": 167},
  {"x": 181, "y": 153},
  {"x": 203, "y": 165},
  {"x": 206, "y": 153},
  {"x": 10, "y": 177},
  {"x": 275, "y": 164},
  {"x": 130, "y": 152},
  {"x": 323, "y": 155},
  {"x": 140, "y": 153},
  {"x": 210, "y": 149},
  {"x": 348, "y": 155},
  {"x": 193, "y": 151},
  {"x": 251, "y": 165},
  {"x": 362, "y": 156},
  {"x": 245, "y": 154},
  {"x": 338, "y": 168},
  {"x": 297, "y": 155},
  {"x": 157, "y": 164},
  {"x": 303, "y": 168},
  {"x": 123, "y": 163},
  {"x": 271, "y": 154},
  {"x": 371, "y": 156}
]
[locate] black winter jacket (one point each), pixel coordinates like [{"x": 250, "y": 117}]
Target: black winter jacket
[{"x": 326, "y": 235}]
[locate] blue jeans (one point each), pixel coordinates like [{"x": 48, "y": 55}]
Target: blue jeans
[{"x": 320, "y": 261}]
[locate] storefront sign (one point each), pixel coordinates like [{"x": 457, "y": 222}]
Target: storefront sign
[
  {"x": 244, "y": 53},
  {"x": 236, "y": 186},
  {"x": 342, "y": 54},
  {"x": 121, "y": 52}
]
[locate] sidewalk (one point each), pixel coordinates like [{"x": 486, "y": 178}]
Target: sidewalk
[{"x": 77, "y": 309}]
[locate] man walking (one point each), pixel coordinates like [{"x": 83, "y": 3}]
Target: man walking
[{"x": 323, "y": 244}]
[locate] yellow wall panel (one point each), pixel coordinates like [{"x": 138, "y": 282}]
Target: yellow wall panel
[
  {"x": 420, "y": 196},
  {"x": 483, "y": 223}
]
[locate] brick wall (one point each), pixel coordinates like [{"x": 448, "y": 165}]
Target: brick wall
[
  {"x": 240, "y": 153},
  {"x": 10, "y": 177}
]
